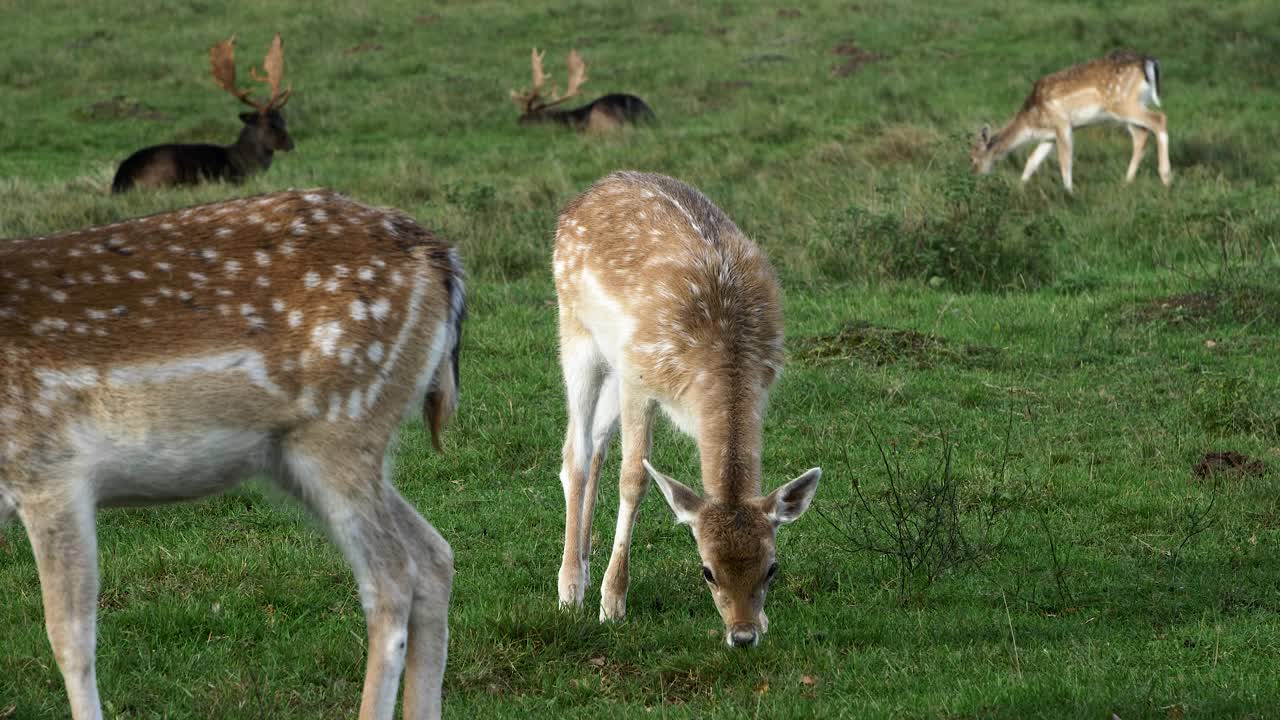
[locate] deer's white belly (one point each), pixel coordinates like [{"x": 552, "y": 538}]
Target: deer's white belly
[
  {"x": 167, "y": 466},
  {"x": 1089, "y": 115}
]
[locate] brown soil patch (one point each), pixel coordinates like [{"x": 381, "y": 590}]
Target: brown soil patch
[
  {"x": 855, "y": 58},
  {"x": 426, "y": 19},
  {"x": 786, "y": 13},
  {"x": 363, "y": 47},
  {"x": 1244, "y": 304},
  {"x": 1228, "y": 464},
  {"x": 119, "y": 108},
  {"x": 876, "y": 345}
]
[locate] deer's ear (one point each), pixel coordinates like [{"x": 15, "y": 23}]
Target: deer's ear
[
  {"x": 684, "y": 502},
  {"x": 985, "y": 134},
  {"x": 788, "y": 503},
  {"x": 249, "y": 118}
]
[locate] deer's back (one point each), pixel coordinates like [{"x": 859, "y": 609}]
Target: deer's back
[
  {"x": 262, "y": 313},
  {"x": 170, "y": 165},
  {"x": 1108, "y": 73},
  {"x": 673, "y": 279}
]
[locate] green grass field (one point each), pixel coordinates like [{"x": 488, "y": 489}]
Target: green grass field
[{"x": 1078, "y": 355}]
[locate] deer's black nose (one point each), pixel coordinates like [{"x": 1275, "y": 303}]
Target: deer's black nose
[{"x": 743, "y": 636}]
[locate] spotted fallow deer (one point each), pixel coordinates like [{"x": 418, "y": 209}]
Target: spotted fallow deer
[
  {"x": 603, "y": 113},
  {"x": 263, "y": 134},
  {"x": 665, "y": 303},
  {"x": 1115, "y": 88},
  {"x": 169, "y": 357}
]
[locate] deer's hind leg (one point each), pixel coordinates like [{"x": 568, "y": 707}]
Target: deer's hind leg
[
  {"x": 393, "y": 560},
  {"x": 1139, "y": 135},
  {"x": 584, "y": 378},
  {"x": 61, "y": 526},
  {"x": 428, "y": 617}
]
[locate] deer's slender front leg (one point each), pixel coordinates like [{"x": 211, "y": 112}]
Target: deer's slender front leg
[
  {"x": 1037, "y": 156},
  {"x": 63, "y": 540},
  {"x": 1139, "y": 135},
  {"x": 637, "y": 419},
  {"x": 1064, "y": 155}
]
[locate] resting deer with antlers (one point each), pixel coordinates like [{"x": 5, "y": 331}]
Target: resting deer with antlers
[
  {"x": 603, "y": 113},
  {"x": 665, "y": 303},
  {"x": 1115, "y": 88},
  {"x": 170, "y": 357},
  {"x": 263, "y": 134}
]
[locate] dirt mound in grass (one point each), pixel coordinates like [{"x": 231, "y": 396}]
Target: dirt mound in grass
[
  {"x": 1207, "y": 307},
  {"x": 855, "y": 58},
  {"x": 119, "y": 108},
  {"x": 877, "y": 345},
  {"x": 1228, "y": 464}
]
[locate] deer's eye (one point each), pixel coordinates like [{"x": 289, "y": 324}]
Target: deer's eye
[
  {"x": 706, "y": 575},
  {"x": 773, "y": 570}
]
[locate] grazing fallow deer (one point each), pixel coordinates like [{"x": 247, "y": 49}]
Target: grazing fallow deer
[
  {"x": 263, "y": 133},
  {"x": 665, "y": 303},
  {"x": 170, "y": 357},
  {"x": 1115, "y": 88},
  {"x": 603, "y": 113}
]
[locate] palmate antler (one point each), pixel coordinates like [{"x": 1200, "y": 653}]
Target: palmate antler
[
  {"x": 532, "y": 100},
  {"x": 222, "y": 61}
]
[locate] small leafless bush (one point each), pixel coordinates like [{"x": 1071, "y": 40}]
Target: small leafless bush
[{"x": 926, "y": 525}]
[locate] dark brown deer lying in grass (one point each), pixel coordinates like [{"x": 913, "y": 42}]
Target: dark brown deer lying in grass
[
  {"x": 263, "y": 133},
  {"x": 603, "y": 113}
]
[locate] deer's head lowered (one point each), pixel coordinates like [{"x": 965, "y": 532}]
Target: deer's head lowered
[{"x": 736, "y": 543}]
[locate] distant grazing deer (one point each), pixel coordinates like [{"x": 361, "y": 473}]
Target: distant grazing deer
[
  {"x": 664, "y": 302},
  {"x": 1114, "y": 88},
  {"x": 170, "y": 357},
  {"x": 603, "y": 113},
  {"x": 263, "y": 134}
]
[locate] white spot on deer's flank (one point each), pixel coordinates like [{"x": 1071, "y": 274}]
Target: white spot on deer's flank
[
  {"x": 246, "y": 309},
  {"x": 355, "y": 408},
  {"x": 58, "y": 296},
  {"x": 232, "y": 267},
  {"x": 255, "y": 218},
  {"x": 325, "y": 336},
  {"x": 375, "y": 351},
  {"x": 295, "y": 318},
  {"x": 95, "y": 314},
  {"x": 277, "y": 305},
  {"x": 262, "y": 281},
  {"x": 359, "y": 311},
  {"x": 346, "y": 355},
  {"x": 262, "y": 257},
  {"x": 163, "y": 266},
  {"x": 380, "y": 308},
  {"x": 223, "y": 232},
  {"x": 311, "y": 279},
  {"x": 365, "y": 273},
  {"x": 298, "y": 227},
  {"x": 307, "y": 399},
  {"x": 286, "y": 248},
  {"x": 332, "y": 285},
  {"x": 209, "y": 254}
]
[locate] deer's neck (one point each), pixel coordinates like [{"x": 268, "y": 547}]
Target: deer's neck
[
  {"x": 248, "y": 154},
  {"x": 1008, "y": 138},
  {"x": 731, "y": 419}
]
